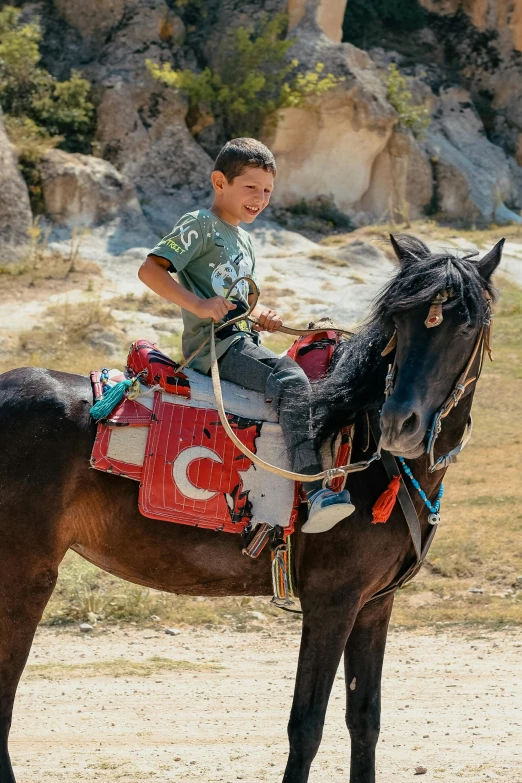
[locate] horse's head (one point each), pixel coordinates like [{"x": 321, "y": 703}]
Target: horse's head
[{"x": 437, "y": 306}]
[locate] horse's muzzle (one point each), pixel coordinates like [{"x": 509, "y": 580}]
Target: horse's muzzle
[{"x": 402, "y": 429}]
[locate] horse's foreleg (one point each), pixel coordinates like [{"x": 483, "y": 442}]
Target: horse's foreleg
[
  {"x": 25, "y": 588},
  {"x": 363, "y": 658},
  {"x": 326, "y": 626}
]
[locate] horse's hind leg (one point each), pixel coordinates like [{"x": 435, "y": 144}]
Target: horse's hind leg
[
  {"x": 26, "y": 584},
  {"x": 326, "y": 626},
  {"x": 363, "y": 661}
]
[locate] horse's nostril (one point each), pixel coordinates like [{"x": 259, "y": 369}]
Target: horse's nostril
[{"x": 410, "y": 424}]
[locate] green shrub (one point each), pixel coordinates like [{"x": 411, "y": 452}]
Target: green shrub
[
  {"x": 252, "y": 80},
  {"x": 40, "y": 111},
  {"x": 414, "y": 117}
]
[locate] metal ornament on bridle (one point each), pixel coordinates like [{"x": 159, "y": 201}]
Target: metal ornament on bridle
[{"x": 435, "y": 316}]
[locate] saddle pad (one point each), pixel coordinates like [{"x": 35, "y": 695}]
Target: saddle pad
[
  {"x": 193, "y": 473},
  {"x": 189, "y": 470},
  {"x": 119, "y": 446},
  {"x": 237, "y": 400}
]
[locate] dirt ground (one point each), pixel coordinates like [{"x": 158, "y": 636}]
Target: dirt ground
[{"x": 131, "y": 704}]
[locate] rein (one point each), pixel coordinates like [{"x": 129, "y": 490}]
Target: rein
[
  {"x": 328, "y": 475},
  {"x": 246, "y": 316}
]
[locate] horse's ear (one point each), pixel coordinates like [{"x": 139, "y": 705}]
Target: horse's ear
[
  {"x": 491, "y": 260},
  {"x": 408, "y": 248}
]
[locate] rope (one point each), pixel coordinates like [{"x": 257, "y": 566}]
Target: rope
[
  {"x": 326, "y": 475},
  {"x": 247, "y": 316}
]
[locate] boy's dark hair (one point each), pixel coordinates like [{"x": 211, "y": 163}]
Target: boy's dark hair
[{"x": 240, "y": 154}]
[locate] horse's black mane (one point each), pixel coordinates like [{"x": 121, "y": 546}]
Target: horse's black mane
[{"x": 355, "y": 383}]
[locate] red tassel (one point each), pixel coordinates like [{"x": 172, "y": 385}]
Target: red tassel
[{"x": 385, "y": 503}]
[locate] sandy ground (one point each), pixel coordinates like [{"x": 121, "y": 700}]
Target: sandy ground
[{"x": 452, "y": 702}]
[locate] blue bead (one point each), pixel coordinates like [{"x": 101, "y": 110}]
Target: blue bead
[{"x": 433, "y": 507}]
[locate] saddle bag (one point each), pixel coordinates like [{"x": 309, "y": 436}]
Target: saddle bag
[{"x": 313, "y": 352}]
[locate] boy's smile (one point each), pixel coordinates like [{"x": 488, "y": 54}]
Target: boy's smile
[{"x": 243, "y": 199}]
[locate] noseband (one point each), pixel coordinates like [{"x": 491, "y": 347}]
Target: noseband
[{"x": 482, "y": 346}]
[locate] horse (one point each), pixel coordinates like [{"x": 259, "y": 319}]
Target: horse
[{"x": 50, "y": 501}]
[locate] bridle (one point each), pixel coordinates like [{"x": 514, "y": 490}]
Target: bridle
[{"x": 482, "y": 346}]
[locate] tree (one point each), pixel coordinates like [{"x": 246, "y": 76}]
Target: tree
[
  {"x": 252, "y": 80},
  {"x": 31, "y": 98}
]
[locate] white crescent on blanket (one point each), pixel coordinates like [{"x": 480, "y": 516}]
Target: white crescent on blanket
[{"x": 180, "y": 467}]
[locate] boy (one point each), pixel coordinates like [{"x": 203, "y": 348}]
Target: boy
[{"x": 208, "y": 251}]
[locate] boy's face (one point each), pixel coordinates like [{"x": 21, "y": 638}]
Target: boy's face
[{"x": 247, "y": 195}]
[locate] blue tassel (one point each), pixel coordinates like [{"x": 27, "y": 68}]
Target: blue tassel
[{"x": 104, "y": 407}]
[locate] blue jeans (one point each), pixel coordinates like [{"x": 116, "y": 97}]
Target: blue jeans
[{"x": 283, "y": 383}]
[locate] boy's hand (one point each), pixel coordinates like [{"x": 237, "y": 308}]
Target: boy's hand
[
  {"x": 269, "y": 321},
  {"x": 216, "y": 308}
]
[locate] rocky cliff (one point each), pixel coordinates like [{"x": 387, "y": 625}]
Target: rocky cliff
[{"x": 462, "y": 58}]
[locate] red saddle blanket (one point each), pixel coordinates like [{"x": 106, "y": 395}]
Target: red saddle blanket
[{"x": 189, "y": 471}]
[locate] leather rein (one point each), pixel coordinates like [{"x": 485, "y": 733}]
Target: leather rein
[{"x": 325, "y": 475}]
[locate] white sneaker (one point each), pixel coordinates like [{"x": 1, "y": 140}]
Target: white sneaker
[{"x": 326, "y": 509}]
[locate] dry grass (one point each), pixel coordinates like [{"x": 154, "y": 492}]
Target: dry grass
[
  {"x": 324, "y": 259},
  {"x": 146, "y": 303},
  {"x": 40, "y": 263},
  {"x": 271, "y": 295},
  {"x": 120, "y": 667},
  {"x": 430, "y": 230},
  {"x": 69, "y": 337},
  {"x": 85, "y": 593}
]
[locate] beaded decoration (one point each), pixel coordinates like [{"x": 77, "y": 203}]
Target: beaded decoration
[{"x": 434, "y": 508}]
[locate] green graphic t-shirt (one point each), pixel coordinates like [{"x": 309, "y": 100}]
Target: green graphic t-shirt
[{"x": 208, "y": 255}]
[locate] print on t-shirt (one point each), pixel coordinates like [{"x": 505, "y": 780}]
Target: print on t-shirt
[{"x": 225, "y": 274}]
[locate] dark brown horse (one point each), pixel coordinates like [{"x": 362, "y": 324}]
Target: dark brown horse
[{"x": 50, "y": 501}]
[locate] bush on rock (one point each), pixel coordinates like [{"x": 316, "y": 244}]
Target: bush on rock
[
  {"x": 40, "y": 111},
  {"x": 252, "y": 80}
]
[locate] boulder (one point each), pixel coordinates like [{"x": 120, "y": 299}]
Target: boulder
[
  {"x": 329, "y": 147},
  {"x": 402, "y": 180},
  {"x": 142, "y": 128},
  {"x": 94, "y": 19},
  {"x": 15, "y": 209},
  {"x": 474, "y": 178},
  {"x": 81, "y": 190},
  {"x": 485, "y": 41},
  {"x": 328, "y": 14}
]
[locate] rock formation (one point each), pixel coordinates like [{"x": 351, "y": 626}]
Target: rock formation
[
  {"x": 328, "y": 14},
  {"x": 474, "y": 177},
  {"x": 347, "y": 145},
  {"x": 141, "y": 124},
  {"x": 81, "y": 190},
  {"x": 15, "y": 210},
  {"x": 329, "y": 147}
]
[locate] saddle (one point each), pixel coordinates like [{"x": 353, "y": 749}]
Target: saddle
[{"x": 168, "y": 437}]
